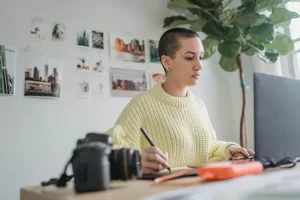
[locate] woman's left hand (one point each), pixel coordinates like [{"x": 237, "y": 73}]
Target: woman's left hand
[{"x": 234, "y": 151}]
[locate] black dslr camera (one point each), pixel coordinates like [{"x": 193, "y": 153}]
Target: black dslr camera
[{"x": 95, "y": 164}]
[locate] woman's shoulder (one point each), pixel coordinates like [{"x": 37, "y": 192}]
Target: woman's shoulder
[
  {"x": 140, "y": 99},
  {"x": 200, "y": 101}
]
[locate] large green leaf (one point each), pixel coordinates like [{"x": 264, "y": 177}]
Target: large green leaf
[
  {"x": 212, "y": 28},
  {"x": 282, "y": 15},
  {"x": 269, "y": 56},
  {"x": 246, "y": 19},
  {"x": 217, "y": 2},
  {"x": 264, "y": 33},
  {"x": 247, "y": 1},
  {"x": 250, "y": 51},
  {"x": 206, "y": 4},
  {"x": 233, "y": 33},
  {"x": 255, "y": 44},
  {"x": 283, "y": 44},
  {"x": 181, "y": 4},
  {"x": 228, "y": 64},
  {"x": 174, "y": 21},
  {"x": 226, "y": 16},
  {"x": 210, "y": 45},
  {"x": 197, "y": 25},
  {"x": 229, "y": 48},
  {"x": 267, "y": 4}
]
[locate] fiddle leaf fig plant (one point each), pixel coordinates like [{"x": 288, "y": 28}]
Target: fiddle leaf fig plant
[{"x": 251, "y": 27}]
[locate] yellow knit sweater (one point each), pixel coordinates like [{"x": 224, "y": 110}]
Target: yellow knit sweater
[{"x": 179, "y": 126}]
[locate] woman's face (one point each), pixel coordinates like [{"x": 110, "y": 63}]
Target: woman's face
[{"x": 187, "y": 63}]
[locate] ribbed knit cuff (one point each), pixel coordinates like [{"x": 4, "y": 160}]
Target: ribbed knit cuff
[{"x": 222, "y": 148}]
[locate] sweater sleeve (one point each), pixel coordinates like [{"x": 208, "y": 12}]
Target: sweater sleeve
[
  {"x": 126, "y": 131},
  {"x": 217, "y": 147}
]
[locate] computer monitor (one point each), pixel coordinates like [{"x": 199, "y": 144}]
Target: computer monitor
[{"x": 276, "y": 116}]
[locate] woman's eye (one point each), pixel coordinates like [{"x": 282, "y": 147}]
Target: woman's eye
[{"x": 190, "y": 58}]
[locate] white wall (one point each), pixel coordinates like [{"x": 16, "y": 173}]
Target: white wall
[{"x": 37, "y": 135}]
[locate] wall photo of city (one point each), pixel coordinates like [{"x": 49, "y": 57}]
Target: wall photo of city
[
  {"x": 7, "y": 70},
  {"x": 127, "y": 82},
  {"x": 43, "y": 73}
]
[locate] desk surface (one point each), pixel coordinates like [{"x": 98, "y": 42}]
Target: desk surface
[{"x": 136, "y": 189}]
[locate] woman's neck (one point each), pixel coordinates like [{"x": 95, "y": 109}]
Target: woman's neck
[{"x": 174, "y": 89}]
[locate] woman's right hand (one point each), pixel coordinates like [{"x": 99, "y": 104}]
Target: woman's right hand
[{"x": 154, "y": 160}]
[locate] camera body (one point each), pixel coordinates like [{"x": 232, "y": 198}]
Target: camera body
[
  {"x": 91, "y": 167},
  {"x": 95, "y": 163}
]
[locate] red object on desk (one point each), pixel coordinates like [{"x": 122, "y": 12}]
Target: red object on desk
[{"x": 219, "y": 171}]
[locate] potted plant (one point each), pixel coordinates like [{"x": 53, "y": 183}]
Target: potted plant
[{"x": 252, "y": 27}]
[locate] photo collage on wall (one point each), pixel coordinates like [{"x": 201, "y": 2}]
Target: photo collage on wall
[{"x": 116, "y": 70}]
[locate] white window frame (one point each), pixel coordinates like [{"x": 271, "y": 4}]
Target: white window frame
[
  {"x": 295, "y": 61},
  {"x": 292, "y": 60}
]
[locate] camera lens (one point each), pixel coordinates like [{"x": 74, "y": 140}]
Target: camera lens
[{"x": 125, "y": 164}]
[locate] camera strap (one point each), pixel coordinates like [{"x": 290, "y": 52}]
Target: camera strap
[{"x": 64, "y": 178}]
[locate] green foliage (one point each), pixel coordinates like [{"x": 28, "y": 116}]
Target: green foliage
[{"x": 250, "y": 28}]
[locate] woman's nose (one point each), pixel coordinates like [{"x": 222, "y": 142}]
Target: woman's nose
[{"x": 198, "y": 66}]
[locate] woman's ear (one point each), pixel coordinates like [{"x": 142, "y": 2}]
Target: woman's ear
[{"x": 165, "y": 60}]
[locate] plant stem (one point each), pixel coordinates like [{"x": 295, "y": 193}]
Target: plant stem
[
  {"x": 242, "y": 120},
  {"x": 211, "y": 15}
]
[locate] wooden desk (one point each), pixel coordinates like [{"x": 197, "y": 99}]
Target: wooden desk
[{"x": 137, "y": 189}]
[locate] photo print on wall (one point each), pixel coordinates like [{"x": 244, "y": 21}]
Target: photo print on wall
[
  {"x": 38, "y": 29},
  {"x": 153, "y": 50},
  {"x": 97, "y": 40},
  {"x": 157, "y": 77},
  {"x": 83, "y": 62},
  {"x": 7, "y": 70},
  {"x": 97, "y": 63},
  {"x": 99, "y": 88},
  {"x": 83, "y": 37},
  {"x": 127, "y": 82},
  {"x": 83, "y": 86},
  {"x": 43, "y": 75},
  {"x": 58, "y": 32},
  {"x": 125, "y": 47}
]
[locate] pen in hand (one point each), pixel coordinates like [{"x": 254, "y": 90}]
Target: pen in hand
[{"x": 151, "y": 142}]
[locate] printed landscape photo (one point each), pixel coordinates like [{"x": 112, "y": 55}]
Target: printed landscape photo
[
  {"x": 127, "y": 82},
  {"x": 43, "y": 73},
  {"x": 7, "y": 70},
  {"x": 127, "y": 48},
  {"x": 157, "y": 77}
]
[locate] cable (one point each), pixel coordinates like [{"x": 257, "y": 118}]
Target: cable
[{"x": 283, "y": 163}]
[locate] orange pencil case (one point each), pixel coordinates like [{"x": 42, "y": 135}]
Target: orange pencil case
[{"x": 218, "y": 171}]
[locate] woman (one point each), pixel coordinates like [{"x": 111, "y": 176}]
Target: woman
[{"x": 175, "y": 119}]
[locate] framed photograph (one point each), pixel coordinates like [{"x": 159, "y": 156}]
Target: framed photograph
[
  {"x": 7, "y": 70},
  {"x": 124, "y": 47},
  {"x": 153, "y": 50},
  {"x": 43, "y": 75},
  {"x": 97, "y": 40},
  {"x": 38, "y": 29},
  {"x": 97, "y": 63},
  {"x": 127, "y": 82},
  {"x": 156, "y": 78},
  {"x": 83, "y": 62},
  {"x": 100, "y": 88},
  {"x": 83, "y": 86},
  {"x": 83, "y": 37},
  {"x": 58, "y": 32}
]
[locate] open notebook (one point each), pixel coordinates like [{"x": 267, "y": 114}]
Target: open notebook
[{"x": 166, "y": 172}]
